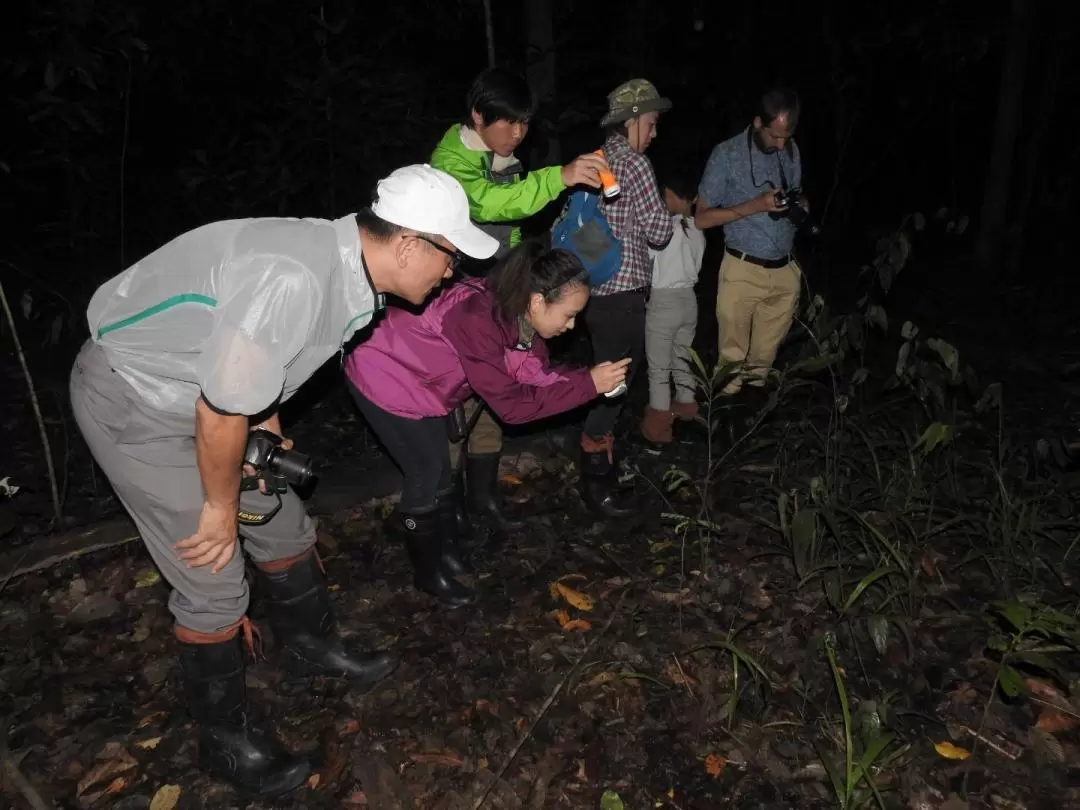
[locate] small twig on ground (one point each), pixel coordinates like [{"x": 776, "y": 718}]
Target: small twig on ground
[
  {"x": 685, "y": 679},
  {"x": 57, "y": 516},
  {"x": 14, "y": 776},
  {"x": 991, "y": 744},
  {"x": 547, "y": 704}
]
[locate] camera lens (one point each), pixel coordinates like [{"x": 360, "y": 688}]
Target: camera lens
[{"x": 297, "y": 468}]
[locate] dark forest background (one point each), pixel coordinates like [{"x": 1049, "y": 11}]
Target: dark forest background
[{"x": 128, "y": 123}]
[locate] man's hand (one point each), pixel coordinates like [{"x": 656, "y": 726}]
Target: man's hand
[
  {"x": 214, "y": 542},
  {"x": 607, "y": 376},
  {"x": 273, "y": 424},
  {"x": 765, "y": 203},
  {"x": 584, "y": 170}
]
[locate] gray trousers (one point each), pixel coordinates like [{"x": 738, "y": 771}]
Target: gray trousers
[
  {"x": 149, "y": 458},
  {"x": 670, "y": 322}
]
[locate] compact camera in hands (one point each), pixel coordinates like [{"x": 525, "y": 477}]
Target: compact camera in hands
[
  {"x": 788, "y": 199},
  {"x": 274, "y": 465}
]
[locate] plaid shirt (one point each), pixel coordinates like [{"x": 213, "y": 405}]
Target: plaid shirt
[{"x": 638, "y": 216}]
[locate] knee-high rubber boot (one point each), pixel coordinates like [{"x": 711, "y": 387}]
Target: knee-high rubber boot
[
  {"x": 304, "y": 625},
  {"x": 230, "y": 748},
  {"x": 482, "y": 483},
  {"x": 599, "y": 479},
  {"x": 423, "y": 533},
  {"x": 456, "y": 530}
]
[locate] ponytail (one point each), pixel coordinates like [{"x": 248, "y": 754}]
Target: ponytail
[{"x": 532, "y": 268}]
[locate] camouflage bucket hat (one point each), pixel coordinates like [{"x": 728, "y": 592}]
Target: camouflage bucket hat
[{"x": 631, "y": 99}]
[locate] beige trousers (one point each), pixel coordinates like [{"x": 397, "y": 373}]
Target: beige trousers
[
  {"x": 486, "y": 436},
  {"x": 754, "y": 310}
]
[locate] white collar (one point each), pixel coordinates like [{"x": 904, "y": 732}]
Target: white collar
[{"x": 474, "y": 143}]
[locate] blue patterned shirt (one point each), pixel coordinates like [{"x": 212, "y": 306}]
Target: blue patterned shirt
[{"x": 738, "y": 171}]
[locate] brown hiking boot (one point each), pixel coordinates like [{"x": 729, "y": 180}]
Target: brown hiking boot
[
  {"x": 656, "y": 426},
  {"x": 686, "y": 411}
]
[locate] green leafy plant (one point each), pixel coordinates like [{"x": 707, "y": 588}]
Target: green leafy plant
[{"x": 865, "y": 748}]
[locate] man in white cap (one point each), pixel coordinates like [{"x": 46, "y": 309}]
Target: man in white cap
[{"x": 198, "y": 344}]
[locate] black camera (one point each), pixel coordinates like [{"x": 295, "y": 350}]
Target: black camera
[
  {"x": 788, "y": 199},
  {"x": 265, "y": 454}
]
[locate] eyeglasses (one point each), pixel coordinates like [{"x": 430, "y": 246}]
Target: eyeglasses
[{"x": 456, "y": 256}]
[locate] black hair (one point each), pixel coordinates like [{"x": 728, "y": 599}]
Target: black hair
[
  {"x": 379, "y": 229},
  {"x": 499, "y": 94},
  {"x": 532, "y": 268},
  {"x": 676, "y": 175},
  {"x": 620, "y": 128},
  {"x": 776, "y": 102}
]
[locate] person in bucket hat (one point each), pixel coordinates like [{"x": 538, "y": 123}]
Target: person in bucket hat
[
  {"x": 633, "y": 99},
  {"x": 615, "y": 316}
]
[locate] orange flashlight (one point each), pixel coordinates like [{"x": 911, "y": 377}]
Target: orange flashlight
[{"x": 607, "y": 180}]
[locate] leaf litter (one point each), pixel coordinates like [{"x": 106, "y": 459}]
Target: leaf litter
[{"x": 711, "y": 688}]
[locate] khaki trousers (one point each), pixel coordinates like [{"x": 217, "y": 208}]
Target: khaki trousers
[
  {"x": 486, "y": 437},
  {"x": 754, "y": 310}
]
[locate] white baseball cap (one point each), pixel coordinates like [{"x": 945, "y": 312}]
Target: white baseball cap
[{"x": 428, "y": 200}]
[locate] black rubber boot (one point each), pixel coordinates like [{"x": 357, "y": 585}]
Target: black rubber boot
[
  {"x": 482, "y": 483},
  {"x": 600, "y": 487},
  {"x": 423, "y": 533},
  {"x": 456, "y": 530},
  {"x": 250, "y": 760},
  {"x": 304, "y": 626}
]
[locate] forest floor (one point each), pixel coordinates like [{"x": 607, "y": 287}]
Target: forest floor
[{"x": 809, "y": 596}]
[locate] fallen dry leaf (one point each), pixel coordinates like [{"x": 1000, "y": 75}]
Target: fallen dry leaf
[
  {"x": 150, "y": 718},
  {"x": 148, "y": 744},
  {"x": 509, "y": 479},
  {"x": 1049, "y": 693},
  {"x": 561, "y": 616},
  {"x": 166, "y": 797},
  {"x": 147, "y": 577},
  {"x": 950, "y": 751},
  {"x": 116, "y": 785},
  {"x": 349, "y": 726},
  {"x": 714, "y": 765},
  {"x": 1052, "y": 721},
  {"x": 577, "y": 626},
  {"x": 313, "y": 781},
  {"x": 677, "y": 676},
  {"x": 603, "y": 677},
  {"x": 357, "y": 799},
  {"x": 449, "y": 758},
  {"x": 574, "y": 598},
  {"x": 114, "y": 760}
]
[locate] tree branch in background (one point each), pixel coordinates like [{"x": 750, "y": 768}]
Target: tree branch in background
[{"x": 57, "y": 514}]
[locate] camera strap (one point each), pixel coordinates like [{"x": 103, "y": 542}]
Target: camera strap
[{"x": 275, "y": 485}]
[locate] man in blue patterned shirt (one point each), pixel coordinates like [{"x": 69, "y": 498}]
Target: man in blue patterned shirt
[{"x": 759, "y": 277}]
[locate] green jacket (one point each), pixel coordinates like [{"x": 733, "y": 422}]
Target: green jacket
[{"x": 495, "y": 200}]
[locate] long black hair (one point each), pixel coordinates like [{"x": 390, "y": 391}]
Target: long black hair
[{"x": 531, "y": 268}]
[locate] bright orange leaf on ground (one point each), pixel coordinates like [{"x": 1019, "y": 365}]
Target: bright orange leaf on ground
[
  {"x": 714, "y": 765},
  {"x": 575, "y": 599},
  {"x": 950, "y": 751},
  {"x": 509, "y": 479}
]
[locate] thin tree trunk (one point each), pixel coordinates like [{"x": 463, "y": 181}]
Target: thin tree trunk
[
  {"x": 1033, "y": 154},
  {"x": 995, "y": 212},
  {"x": 540, "y": 72},
  {"x": 490, "y": 28}
]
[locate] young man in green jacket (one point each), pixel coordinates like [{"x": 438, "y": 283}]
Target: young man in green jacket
[{"x": 479, "y": 154}]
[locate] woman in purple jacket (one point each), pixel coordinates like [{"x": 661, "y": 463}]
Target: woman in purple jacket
[{"x": 483, "y": 337}]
